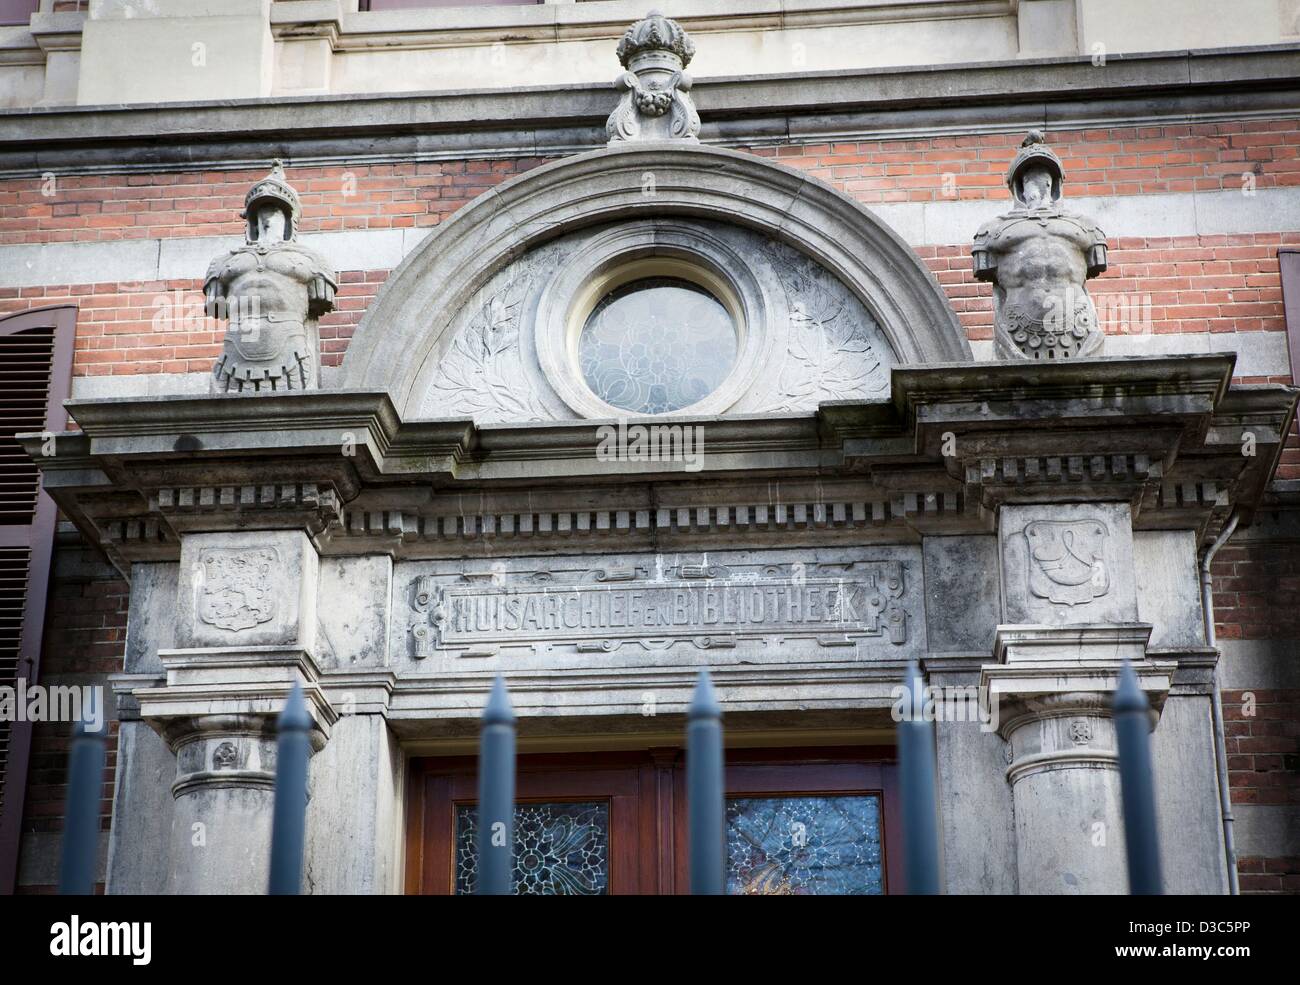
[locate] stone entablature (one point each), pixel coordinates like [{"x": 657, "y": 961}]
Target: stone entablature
[
  {"x": 344, "y": 467},
  {"x": 390, "y": 569},
  {"x": 851, "y": 105}
]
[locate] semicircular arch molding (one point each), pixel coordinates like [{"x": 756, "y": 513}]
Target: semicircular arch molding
[{"x": 405, "y": 327}]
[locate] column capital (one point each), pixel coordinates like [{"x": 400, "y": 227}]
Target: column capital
[
  {"x": 218, "y": 711},
  {"x": 1058, "y": 671}
]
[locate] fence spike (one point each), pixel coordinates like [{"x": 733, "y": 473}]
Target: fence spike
[
  {"x": 1132, "y": 713},
  {"x": 81, "y": 813},
  {"x": 289, "y": 816},
  {"x": 706, "y": 810},
  {"x": 496, "y": 794},
  {"x": 916, "y": 753}
]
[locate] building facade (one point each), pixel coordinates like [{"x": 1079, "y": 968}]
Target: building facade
[{"x": 387, "y": 351}]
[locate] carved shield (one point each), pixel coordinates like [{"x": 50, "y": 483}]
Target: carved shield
[
  {"x": 236, "y": 591},
  {"x": 1067, "y": 560}
]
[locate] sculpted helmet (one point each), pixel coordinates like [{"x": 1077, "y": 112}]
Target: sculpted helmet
[
  {"x": 274, "y": 189},
  {"x": 1034, "y": 151}
]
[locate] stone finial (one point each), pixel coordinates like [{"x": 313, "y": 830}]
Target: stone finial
[
  {"x": 1038, "y": 257},
  {"x": 656, "y": 102},
  {"x": 270, "y": 291}
]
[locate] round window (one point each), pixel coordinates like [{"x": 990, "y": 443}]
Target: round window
[{"x": 657, "y": 345}]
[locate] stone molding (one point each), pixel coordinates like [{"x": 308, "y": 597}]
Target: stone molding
[
  {"x": 746, "y": 111},
  {"x": 231, "y": 695},
  {"x": 852, "y": 470}
]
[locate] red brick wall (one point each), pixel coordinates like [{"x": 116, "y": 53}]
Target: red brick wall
[
  {"x": 1113, "y": 161},
  {"x": 1262, "y": 730},
  {"x": 1165, "y": 286},
  {"x": 1183, "y": 285},
  {"x": 91, "y": 208},
  {"x": 1257, "y": 597},
  {"x": 1257, "y": 591}
]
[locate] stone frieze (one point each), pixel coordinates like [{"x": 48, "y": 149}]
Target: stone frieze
[{"x": 783, "y": 605}]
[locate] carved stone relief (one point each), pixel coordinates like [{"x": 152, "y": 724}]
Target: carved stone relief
[
  {"x": 1080, "y": 731},
  {"x": 1067, "y": 564},
  {"x": 237, "y": 591},
  {"x": 834, "y": 350},
  {"x": 1068, "y": 560},
  {"x": 664, "y": 608},
  {"x": 225, "y": 756},
  {"x": 655, "y": 101},
  {"x": 815, "y": 339},
  {"x": 483, "y": 374}
]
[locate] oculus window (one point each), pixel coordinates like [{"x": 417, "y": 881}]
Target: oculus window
[{"x": 657, "y": 344}]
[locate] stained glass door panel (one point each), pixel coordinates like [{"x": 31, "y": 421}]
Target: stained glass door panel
[
  {"x": 815, "y": 821},
  {"x": 560, "y": 849},
  {"x": 804, "y": 846}
]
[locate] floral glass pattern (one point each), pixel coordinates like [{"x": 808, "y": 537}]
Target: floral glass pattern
[
  {"x": 804, "y": 846},
  {"x": 560, "y": 849},
  {"x": 657, "y": 345}
]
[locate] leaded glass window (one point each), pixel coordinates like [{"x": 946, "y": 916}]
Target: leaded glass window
[
  {"x": 804, "y": 846},
  {"x": 656, "y": 345},
  {"x": 561, "y": 849}
]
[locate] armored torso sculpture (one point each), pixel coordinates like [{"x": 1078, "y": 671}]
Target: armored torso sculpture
[
  {"x": 1038, "y": 257},
  {"x": 271, "y": 290}
]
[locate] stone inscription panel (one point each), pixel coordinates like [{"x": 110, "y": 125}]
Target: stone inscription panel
[{"x": 777, "y": 606}]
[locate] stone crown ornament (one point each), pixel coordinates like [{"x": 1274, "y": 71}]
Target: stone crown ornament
[
  {"x": 655, "y": 103},
  {"x": 270, "y": 291},
  {"x": 656, "y": 33},
  {"x": 1038, "y": 257}
]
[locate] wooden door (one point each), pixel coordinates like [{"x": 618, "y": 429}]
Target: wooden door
[{"x": 799, "y": 822}]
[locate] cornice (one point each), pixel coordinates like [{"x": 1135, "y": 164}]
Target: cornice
[
  {"x": 1165, "y": 434},
  {"x": 550, "y": 121}
]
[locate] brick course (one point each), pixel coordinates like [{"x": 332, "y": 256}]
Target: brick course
[
  {"x": 1158, "y": 286},
  {"x": 1109, "y": 161}
]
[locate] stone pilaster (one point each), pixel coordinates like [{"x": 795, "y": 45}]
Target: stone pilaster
[
  {"x": 1070, "y": 605},
  {"x": 246, "y": 629}
]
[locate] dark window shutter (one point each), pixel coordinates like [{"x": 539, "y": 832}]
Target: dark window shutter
[{"x": 35, "y": 378}]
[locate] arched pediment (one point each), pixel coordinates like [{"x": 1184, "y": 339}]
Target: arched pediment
[{"x": 471, "y": 268}]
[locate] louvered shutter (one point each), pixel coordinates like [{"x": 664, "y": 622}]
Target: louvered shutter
[{"x": 35, "y": 376}]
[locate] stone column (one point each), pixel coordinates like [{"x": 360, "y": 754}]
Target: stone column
[
  {"x": 245, "y": 632},
  {"x": 1070, "y": 610}
]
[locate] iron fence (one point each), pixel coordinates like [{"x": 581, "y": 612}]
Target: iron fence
[{"x": 705, "y": 791}]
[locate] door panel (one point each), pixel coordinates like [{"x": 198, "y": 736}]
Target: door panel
[{"x": 800, "y": 822}]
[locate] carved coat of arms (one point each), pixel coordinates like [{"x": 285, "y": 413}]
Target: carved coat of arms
[
  {"x": 237, "y": 592},
  {"x": 1067, "y": 560}
]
